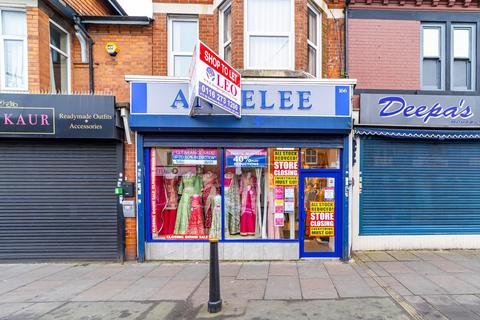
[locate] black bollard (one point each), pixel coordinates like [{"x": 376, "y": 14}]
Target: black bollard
[{"x": 214, "y": 300}]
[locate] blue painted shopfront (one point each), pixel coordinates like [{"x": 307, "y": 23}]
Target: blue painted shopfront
[{"x": 276, "y": 114}]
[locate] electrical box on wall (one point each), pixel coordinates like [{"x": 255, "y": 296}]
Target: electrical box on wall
[
  {"x": 128, "y": 208},
  {"x": 128, "y": 189}
]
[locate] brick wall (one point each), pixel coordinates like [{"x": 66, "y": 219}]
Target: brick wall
[
  {"x": 90, "y": 7},
  {"x": 130, "y": 238},
  {"x": 159, "y": 45},
  {"x": 381, "y": 59},
  {"x": 333, "y": 48},
  {"x": 301, "y": 35},
  {"x": 38, "y": 50},
  {"x": 237, "y": 34}
]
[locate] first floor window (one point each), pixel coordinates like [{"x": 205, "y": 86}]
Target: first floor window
[
  {"x": 463, "y": 62},
  {"x": 313, "y": 42},
  {"x": 433, "y": 53},
  {"x": 183, "y": 34},
  {"x": 14, "y": 42},
  {"x": 269, "y": 34},
  {"x": 59, "y": 59},
  {"x": 226, "y": 33}
]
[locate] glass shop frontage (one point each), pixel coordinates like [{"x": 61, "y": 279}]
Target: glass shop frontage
[{"x": 269, "y": 186}]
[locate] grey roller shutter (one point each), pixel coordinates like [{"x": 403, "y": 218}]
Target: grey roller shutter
[
  {"x": 57, "y": 201},
  {"x": 419, "y": 187}
]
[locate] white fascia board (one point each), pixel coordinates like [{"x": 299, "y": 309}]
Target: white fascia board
[
  {"x": 18, "y": 4},
  {"x": 331, "y": 13},
  {"x": 160, "y": 79},
  {"x": 183, "y": 8}
]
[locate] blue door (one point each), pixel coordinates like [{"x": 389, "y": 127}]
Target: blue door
[{"x": 320, "y": 223}]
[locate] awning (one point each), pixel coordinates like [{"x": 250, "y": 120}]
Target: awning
[{"x": 418, "y": 133}]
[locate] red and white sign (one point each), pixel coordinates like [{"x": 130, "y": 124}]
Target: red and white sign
[{"x": 214, "y": 81}]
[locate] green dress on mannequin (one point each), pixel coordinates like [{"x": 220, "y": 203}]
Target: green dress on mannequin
[{"x": 186, "y": 189}]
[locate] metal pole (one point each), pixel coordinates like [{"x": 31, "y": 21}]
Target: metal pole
[{"x": 214, "y": 300}]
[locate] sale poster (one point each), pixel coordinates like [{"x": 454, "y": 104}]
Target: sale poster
[
  {"x": 189, "y": 156},
  {"x": 246, "y": 158},
  {"x": 322, "y": 218},
  {"x": 285, "y": 168}
]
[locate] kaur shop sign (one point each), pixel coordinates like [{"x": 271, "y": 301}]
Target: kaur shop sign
[
  {"x": 189, "y": 156},
  {"x": 214, "y": 81},
  {"x": 285, "y": 168},
  {"x": 322, "y": 219},
  {"x": 246, "y": 158}
]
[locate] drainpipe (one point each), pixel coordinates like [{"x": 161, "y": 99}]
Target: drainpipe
[
  {"x": 81, "y": 30},
  {"x": 345, "y": 11}
]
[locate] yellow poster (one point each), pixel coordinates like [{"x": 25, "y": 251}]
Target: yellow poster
[
  {"x": 322, "y": 219},
  {"x": 285, "y": 168}
]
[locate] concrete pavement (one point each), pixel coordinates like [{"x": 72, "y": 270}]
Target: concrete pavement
[{"x": 377, "y": 285}]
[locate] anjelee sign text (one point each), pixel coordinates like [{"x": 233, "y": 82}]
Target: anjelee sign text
[{"x": 57, "y": 116}]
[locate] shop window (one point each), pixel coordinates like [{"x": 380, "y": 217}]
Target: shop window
[
  {"x": 185, "y": 194},
  {"x": 261, "y": 190},
  {"x": 463, "y": 57},
  {"x": 226, "y": 32},
  {"x": 182, "y": 36},
  {"x": 320, "y": 158},
  {"x": 269, "y": 34},
  {"x": 433, "y": 53},
  {"x": 59, "y": 59},
  {"x": 313, "y": 41},
  {"x": 14, "y": 54}
]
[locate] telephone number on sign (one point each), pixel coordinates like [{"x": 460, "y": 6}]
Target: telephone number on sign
[{"x": 215, "y": 97}]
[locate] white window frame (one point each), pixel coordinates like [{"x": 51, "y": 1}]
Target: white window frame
[
  {"x": 65, "y": 54},
  {"x": 2, "y": 52},
  {"x": 473, "y": 55},
  {"x": 221, "y": 21},
  {"x": 171, "y": 54},
  {"x": 317, "y": 47},
  {"x": 441, "y": 27},
  {"x": 290, "y": 35}
]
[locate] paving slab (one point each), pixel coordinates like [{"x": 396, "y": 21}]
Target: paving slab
[
  {"x": 176, "y": 289},
  {"x": 469, "y": 302},
  {"x": 318, "y": 288},
  {"x": 353, "y": 287},
  {"x": 98, "y": 310},
  {"x": 311, "y": 270},
  {"x": 166, "y": 270},
  {"x": 19, "y": 269},
  {"x": 162, "y": 310},
  {"x": 395, "y": 285},
  {"x": 449, "y": 266},
  {"x": 283, "y": 269},
  {"x": 450, "y": 308},
  {"x": 253, "y": 270},
  {"x": 103, "y": 291},
  {"x": 338, "y": 268},
  {"x": 376, "y": 308},
  {"x": 403, "y": 256},
  {"x": 193, "y": 272},
  {"x": 30, "y": 292},
  {"x": 418, "y": 284},
  {"x": 283, "y": 287},
  {"x": 427, "y": 311},
  {"x": 377, "y": 269},
  {"x": 6, "y": 309},
  {"x": 66, "y": 290},
  {"x": 379, "y": 256},
  {"x": 423, "y": 267},
  {"x": 229, "y": 269},
  {"x": 34, "y": 311},
  {"x": 452, "y": 285},
  {"x": 471, "y": 278},
  {"x": 427, "y": 255},
  {"x": 134, "y": 271},
  {"x": 141, "y": 290},
  {"x": 394, "y": 267}
]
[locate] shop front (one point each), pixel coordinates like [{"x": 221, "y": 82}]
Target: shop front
[
  {"x": 60, "y": 159},
  {"x": 418, "y": 164},
  {"x": 269, "y": 186}
]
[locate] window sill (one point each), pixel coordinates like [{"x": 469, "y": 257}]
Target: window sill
[{"x": 251, "y": 73}]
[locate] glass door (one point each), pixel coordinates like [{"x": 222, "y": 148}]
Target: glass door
[{"x": 320, "y": 214}]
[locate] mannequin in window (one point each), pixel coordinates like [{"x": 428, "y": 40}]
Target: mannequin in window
[
  {"x": 232, "y": 201},
  {"x": 210, "y": 190},
  {"x": 187, "y": 190},
  {"x": 171, "y": 191},
  {"x": 249, "y": 201}
]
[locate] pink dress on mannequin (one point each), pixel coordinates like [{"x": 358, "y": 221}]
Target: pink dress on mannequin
[
  {"x": 195, "y": 222},
  {"x": 249, "y": 200}
]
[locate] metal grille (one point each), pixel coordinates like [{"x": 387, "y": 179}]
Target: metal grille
[
  {"x": 419, "y": 187},
  {"x": 57, "y": 201}
]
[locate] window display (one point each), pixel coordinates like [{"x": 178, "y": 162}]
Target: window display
[
  {"x": 185, "y": 193},
  {"x": 320, "y": 158},
  {"x": 260, "y": 193}
]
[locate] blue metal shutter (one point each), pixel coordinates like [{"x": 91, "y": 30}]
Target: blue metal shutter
[{"x": 418, "y": 187}]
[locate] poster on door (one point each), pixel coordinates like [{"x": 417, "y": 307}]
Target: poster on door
[
  {"x": 285, "y": 168},
  {"x": 322, "y": 218}
]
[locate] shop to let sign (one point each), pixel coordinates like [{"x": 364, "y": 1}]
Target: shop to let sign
[
  {"x": 285, "y": 168},
  {"x": 214, "y": 81},
  {"x": 322, "y": 218},
  {"x": 188, "y": 156},
  {"x": 246, "y": 158}
]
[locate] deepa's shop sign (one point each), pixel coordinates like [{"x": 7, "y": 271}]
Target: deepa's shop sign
[
  {"x": 214, "y": 81},
  {"x": 285, "y": 168}
]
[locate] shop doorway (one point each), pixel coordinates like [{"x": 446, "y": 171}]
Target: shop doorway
[{"x": 320, "y": 214}]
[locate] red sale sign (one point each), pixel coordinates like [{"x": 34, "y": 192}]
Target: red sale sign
[{"x": 214, "y": 81}]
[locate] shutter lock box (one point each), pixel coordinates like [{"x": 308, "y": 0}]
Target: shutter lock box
[{"x": 129, "y": 208}]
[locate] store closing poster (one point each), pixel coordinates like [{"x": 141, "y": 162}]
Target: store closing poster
[{"x": 322, "y": 218}]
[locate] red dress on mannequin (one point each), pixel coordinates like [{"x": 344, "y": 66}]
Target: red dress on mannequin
[
  {"x": 169, "y": 215},
  {"x": 195, "y": 222}
]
